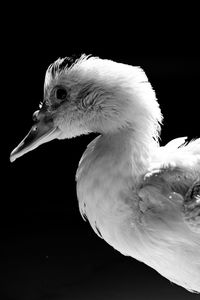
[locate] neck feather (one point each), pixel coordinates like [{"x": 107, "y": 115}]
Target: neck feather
[{"x": 125, "y": 151}]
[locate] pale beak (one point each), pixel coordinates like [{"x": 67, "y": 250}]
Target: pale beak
[{"x": 41, "y": 132}]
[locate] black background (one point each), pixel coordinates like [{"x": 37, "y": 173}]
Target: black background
[{"x": 47, "y": 250}]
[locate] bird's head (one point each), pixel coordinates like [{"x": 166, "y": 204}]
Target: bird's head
[{"x": 91, "y": 94}]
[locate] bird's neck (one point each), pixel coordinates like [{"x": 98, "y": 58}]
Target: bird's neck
[
  {"x": 128, "y": 149},
  {"x": 123, "y": 152}
]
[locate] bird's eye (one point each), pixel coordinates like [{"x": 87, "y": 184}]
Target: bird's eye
[{"x": 61, "y": 94}]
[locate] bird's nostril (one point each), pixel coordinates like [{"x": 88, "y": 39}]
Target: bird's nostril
[
  {"x": 34, "y": 129},
  {"x": 35, "y": 116}
]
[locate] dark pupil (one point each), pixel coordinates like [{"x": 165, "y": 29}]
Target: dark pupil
[{"x": 61, "y": 94}]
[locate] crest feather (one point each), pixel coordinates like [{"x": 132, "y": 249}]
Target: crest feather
[{"x": 61, "y": 65}]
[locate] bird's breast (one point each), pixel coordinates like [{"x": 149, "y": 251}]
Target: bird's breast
[{"x": 106, "y": 195}]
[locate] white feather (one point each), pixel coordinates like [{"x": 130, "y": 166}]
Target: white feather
[{"x": 142, "y": 199}]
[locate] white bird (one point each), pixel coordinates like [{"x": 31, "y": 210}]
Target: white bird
[{"x": 142, "y": 199}]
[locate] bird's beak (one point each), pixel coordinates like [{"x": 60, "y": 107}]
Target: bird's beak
[{"x": 41, "y": 132}]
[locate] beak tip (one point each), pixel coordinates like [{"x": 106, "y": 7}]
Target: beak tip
[
  {"x": 12, "y": 159},
  {"x": 12, "y": 156}
]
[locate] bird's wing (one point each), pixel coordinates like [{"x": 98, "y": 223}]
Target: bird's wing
[
  {"x": 173, "y": 195},
  {"x": 171, "y": 187},
  {"x": 169, "y": 214}
]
